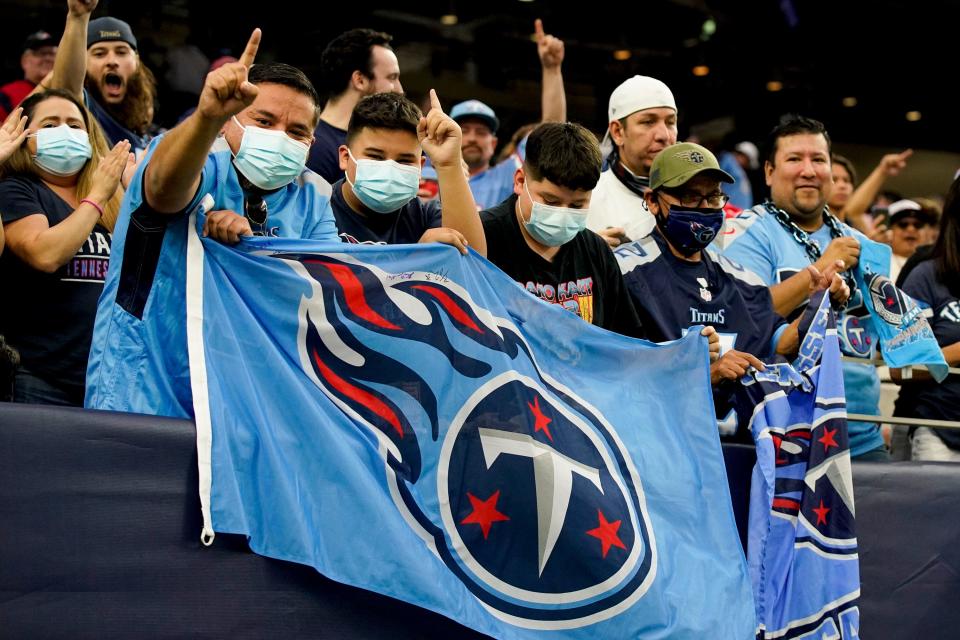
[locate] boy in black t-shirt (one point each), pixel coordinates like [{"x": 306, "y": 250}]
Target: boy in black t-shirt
[
  {"x": 376, "y": 201},
  {"x": 538, "y": 236}
]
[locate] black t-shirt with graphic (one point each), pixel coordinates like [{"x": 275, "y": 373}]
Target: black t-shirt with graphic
[
  {"x": 403, "y": 226},
  {"x": 926, "y": 398},
  {"x": 48, "y": 317},
  {"x": 583, "y": 276}
]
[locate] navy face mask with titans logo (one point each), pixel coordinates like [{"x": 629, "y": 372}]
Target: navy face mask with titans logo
[{"x": 690, "y": 230}]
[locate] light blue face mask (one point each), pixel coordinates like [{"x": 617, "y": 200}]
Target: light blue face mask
[
  {"x": 62, "y": 151},
  {"x": 268, "y": 158},
  {"x": 384, "y": 185},
  {"x": 554, "y": 226}
]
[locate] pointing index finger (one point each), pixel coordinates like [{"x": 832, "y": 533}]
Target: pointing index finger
[
  {"x": 435, "y": 101},
  {"x": 250, "y": 52},
  {"x": 538, "y": 29}
]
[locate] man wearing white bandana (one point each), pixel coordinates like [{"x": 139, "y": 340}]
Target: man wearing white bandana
[{"x": 642, "y": 122}]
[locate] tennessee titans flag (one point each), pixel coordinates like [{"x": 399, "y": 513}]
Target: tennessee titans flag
[
  {"x": 410, "y": 421},
  {"x": 905, "y": 335},
  {"x": 802, "y": 544}
]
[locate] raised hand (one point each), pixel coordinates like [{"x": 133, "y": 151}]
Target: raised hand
[
  {"x": 440, "y": 136},
  {"x": 894, "y": 163},
  {"x": 12, "y": 133},
  {"x": 227, "y": 91},
  {"x": 107, "y": 176},
  {"x": 79, "y": 8},
  {"x": 549, "y": 48}
]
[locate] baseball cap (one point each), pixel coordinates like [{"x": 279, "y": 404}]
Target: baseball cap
[
  {"x": 750, "y": 150},
  {"x": 908, "y": 209},
  {"x": 39, "y": 39},
  {"x": 107, "y": 29},
  {"x": 475, "y": 109},
  {"x": 678, "y": 163},
  {"x": 635, "y": 94},
  {"x": 639, "y": 93}
]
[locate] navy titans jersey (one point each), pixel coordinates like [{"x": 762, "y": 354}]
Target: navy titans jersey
[{"x": 671, "y": 294}]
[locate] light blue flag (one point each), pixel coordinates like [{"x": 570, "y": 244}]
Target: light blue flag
[
  {"x": 410, "y": 421},
  {"x": 905, "y": 335},
  {"x": 802, "y": 542}
]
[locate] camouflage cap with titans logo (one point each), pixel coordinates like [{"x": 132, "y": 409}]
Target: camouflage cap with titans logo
[{"x": 678, "y": 163}]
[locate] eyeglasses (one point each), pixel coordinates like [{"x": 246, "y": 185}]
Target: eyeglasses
[{"x": 693, "y": 199}]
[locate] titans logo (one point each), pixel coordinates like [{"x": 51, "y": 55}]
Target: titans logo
[{"x": 520, "y": 487}]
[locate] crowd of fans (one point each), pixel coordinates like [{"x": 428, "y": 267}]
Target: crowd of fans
[{"x": 642, "y": 234}]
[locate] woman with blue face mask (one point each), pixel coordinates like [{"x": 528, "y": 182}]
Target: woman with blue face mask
[{"x": 59, "y": 198}]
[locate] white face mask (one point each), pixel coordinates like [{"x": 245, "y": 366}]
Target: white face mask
[
  {"x": 268, "y": 158},
  {"x": 62, "y": 151},
  {"x": 554, "y": 226},
  {"x": 384, "y": 185}
]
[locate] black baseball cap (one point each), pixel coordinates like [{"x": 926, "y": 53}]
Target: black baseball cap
[
  {"x": 108, "y": 29},
  {"x": 39, "y": 39}
]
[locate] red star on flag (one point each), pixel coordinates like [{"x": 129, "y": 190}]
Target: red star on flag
[
  {"x": 607, "y": 534},
  {"x": 484, "y": 512},
  {"x": 828, "y": 440},
  {"x": 821, "y": 514},
  {"x": 541, "y": 420}
]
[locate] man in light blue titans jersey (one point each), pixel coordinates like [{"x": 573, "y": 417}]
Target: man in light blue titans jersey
[
  {"x": 778, "y": 239},
  {"x": 244, "y": 149}
]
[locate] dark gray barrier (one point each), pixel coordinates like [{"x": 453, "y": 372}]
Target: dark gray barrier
[{"x": 99, "y": 538}]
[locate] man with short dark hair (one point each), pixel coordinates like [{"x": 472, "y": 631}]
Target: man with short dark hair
[
  {"x": 355, "y": 64},
  {"x": 39, "y": 51},
  {"x": 778, "y": 239},
  {"x": 376, "y": 203},
  {"x": 244, "y": 149}
]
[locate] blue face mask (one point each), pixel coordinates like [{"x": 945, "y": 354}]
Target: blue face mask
[
  {"x": 384, "y": 185},
  {"x": 268, "y": 158},
  {"x": 691, "y": 230},
  {"x": 62, "y": 151},
  {"x": 553, "y": 226}
]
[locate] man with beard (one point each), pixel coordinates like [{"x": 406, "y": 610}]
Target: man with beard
[
  {"x": 778, "y": 239},
  {"x": 356, "y": 64},
  {"x": 115, "y": 85}
]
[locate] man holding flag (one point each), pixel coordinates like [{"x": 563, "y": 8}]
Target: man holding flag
[
  {"x": 243, "y": 149},
  {"x": 778, "y": 239}
]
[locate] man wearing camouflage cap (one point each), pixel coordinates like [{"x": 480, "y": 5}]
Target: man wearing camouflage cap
[{"x": 675, "y": 283}]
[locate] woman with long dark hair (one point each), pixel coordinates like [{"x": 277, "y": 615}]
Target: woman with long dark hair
[
  {"x": 59, "y": 199},
  {"x": 935, "y": 283}
]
